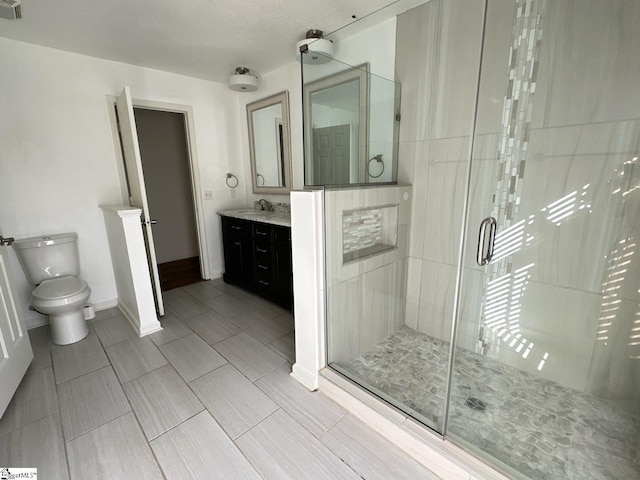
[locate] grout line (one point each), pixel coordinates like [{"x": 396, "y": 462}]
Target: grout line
[{"x": 132, "y": 410}]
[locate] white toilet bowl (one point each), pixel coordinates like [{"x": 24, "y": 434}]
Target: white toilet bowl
[{"x": 63, "y": 299}]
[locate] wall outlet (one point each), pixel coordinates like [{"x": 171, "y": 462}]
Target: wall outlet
[
  {"x": 233, "y": 193},
  {"x": 208, "y": 194}
]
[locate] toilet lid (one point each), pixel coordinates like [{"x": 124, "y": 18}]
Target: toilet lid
[{"x": 57, "y": 288}]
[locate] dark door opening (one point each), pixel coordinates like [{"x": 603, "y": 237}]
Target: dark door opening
[{"x": 165, "y": 163}]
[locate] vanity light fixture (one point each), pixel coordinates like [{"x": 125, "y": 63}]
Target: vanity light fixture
[
  {"x": 318, "y": 49},
  {"x": 243, "y": 80}
]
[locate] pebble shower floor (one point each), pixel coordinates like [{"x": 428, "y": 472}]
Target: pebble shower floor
[{"x": 538, "y": 427}]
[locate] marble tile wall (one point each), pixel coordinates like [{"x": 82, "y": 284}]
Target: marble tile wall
[
  {"x": 365, "y": 297},
  {"x": 438, "y": 94},
  {"x": 584, "y": 133}
]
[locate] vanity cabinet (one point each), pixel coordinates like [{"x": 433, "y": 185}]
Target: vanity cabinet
[
  {"x": 257, "y": 256},
  {"x": 238, "y": 250}
]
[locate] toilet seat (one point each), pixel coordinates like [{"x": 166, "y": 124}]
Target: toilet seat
[{"x": 59, "y": 291}]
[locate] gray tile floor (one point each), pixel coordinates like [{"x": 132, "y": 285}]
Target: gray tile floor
[
  {"x": 538, "y": 427},
  {"x": 208, "y": 397}
]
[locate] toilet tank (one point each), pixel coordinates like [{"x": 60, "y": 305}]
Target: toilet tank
[{"x": 46, "y": 257}]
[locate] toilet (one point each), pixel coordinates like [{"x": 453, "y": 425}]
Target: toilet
[{"x": 53, "y": 264}]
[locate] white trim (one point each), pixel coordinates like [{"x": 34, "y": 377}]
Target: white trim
[
  {"x": 34, "y": 319},
  {"x": 305, "y": 377},
  {"x": 440, "y": 456},
  {"x": 196, "y": 188},
  {"x": 307, "y": 245},
  {"x": 101, "y": 305},
  {"x": 141, "y": 332}
]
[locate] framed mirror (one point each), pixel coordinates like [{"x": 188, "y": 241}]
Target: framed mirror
[
  {"x": 270, "y": 144},
  {"x": 336, "y": 127}
]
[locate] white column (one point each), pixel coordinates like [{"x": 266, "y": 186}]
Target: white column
[
  {"x": 130, "y": 267},
  {"x": 307, "y": 233}
]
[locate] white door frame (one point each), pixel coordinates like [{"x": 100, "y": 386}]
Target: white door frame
[{"x": 194, "y": 169}]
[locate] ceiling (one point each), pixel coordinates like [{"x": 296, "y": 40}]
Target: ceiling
[{"x": 199, "y": 38}]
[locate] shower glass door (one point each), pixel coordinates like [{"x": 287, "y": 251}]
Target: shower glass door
[{"x": 545, "y": 380}]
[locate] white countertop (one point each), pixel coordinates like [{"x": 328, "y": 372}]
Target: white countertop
[{"x": 275, "y": 218}]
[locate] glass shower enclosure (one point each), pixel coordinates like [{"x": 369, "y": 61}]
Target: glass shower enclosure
[{"x": 504, "y": 312}]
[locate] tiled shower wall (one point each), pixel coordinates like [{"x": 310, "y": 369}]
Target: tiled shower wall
[
  {"x": 365, "y": 297},
  {"x": 584, "y": 126},
  {"x": 437, "y": 49}
]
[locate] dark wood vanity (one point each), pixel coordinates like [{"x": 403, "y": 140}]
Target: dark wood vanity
[{"x": 257, "y": 256}]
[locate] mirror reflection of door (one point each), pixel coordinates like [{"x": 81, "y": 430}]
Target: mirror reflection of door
[
  {"x": 336, "y": 112},
  {"x": 165, "y": 163},
  {"x": 331, "y": 155}
]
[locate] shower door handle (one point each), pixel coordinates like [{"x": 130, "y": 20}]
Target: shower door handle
[{"x": 483, "y": 257}]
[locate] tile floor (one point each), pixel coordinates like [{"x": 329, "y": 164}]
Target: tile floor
[
  {"x": 208, "y": 397},
  {"x": 538, "y": 427}
]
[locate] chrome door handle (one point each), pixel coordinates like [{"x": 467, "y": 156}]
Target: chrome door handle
[
  {"x": 6, "y": 241},
  {"x": 484, "y": 258},
  {"x": 149, "y": 222}
]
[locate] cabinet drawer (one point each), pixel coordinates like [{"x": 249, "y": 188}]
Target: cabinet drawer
[
  {"x": 261, "y": 232},
  {"x": 233, "y": 226},
  {"x": 265, "y": 279},
  {"x": 263, "y": 268},
  {"x": 263, "y": 249}
]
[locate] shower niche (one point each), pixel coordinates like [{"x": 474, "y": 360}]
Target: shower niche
[{"x": 369, "y": 231}]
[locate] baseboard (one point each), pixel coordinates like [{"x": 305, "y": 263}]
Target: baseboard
[
  {"x": 33, "y": 319},
  {"x": 133, "y": 321},
  {"x": 215, "y": 275},
  {"x": 305, "y": 377},
  {"x": 105, "y": 304},
  {"x": 153, "y": 328},
  {"x": 131, "y": 318}
]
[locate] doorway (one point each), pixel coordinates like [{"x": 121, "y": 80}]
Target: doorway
[{"x": 165, "y": 162}]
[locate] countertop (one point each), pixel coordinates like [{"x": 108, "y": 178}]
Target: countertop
[{"x": 275, "y": 218}]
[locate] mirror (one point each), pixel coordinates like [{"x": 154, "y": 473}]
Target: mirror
[
  {"x": 336, "y": 137},
  {"x": 351, "y": 125},
  {"x": 269, "y": 144}
]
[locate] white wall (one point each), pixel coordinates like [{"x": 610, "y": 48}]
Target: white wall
[
  {"x": 285, "y": 78},
  {"x": 58, "y": 157}
]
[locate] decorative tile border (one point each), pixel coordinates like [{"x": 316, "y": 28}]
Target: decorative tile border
[{"x": 513, "y": 150}]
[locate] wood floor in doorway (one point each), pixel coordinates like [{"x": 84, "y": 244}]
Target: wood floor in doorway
[{"x": 179, "y": 273}]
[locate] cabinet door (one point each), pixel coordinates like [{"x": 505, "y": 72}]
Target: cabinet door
[
  {"x": 283, "y": 264},
  {"x": 238, "y": 261}
]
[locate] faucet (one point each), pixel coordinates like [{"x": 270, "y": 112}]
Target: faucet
[{"x": 264, "y": 204}]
